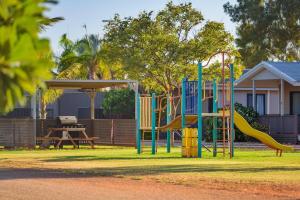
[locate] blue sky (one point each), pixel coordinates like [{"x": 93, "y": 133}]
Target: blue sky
[{"x": 92, "y": 12}]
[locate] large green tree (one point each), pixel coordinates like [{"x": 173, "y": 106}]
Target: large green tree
[
  {"x": 160, "y": 49},
  {"x": 267, "y": 29},
  {"x": 25, "y": 57}
]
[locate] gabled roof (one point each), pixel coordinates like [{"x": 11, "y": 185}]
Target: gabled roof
[{"x": 288, "y": 71}]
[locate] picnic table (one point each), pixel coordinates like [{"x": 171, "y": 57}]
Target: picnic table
[{"x": 65, "y": 134}]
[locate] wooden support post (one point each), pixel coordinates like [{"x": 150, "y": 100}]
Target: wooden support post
[
  {"x": 199, "y": 111},
  {"x": 112, "y": 137},
  {"x": 153, "y": 120},
  {"x": 92, "y": 95}
]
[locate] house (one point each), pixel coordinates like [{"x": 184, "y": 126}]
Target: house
[{"x": 271, "y": 88}]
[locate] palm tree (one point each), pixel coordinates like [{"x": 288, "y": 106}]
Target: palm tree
[{"x": 81, "y": 59}]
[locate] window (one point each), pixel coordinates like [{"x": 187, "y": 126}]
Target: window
[
  {"x": 260, "y": 103},
  {"x": 295, "y": 103}
]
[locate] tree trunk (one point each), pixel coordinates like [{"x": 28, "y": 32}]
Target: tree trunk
[
  {"x": 92, "y": 71},
  {"x": 43, "y": 110}
]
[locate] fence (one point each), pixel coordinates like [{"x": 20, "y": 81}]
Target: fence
[
  {"x": 284, "y": 129},
  {"x": 21, "y": 133},
  {"x": 17, "y": 133},
  {"x": 108, "y": 131}
]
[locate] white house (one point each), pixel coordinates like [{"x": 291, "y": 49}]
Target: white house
[{"x": 271, "y": 88}]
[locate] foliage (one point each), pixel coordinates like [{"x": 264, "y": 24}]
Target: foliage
[
  {"x": 248, "y": 113},
  {"x": 84, "y": 59},
  {"x": 251, "y": 117},
  {"x": 159, "y": 50},
  {"x": 119, "y": 102},
  {"x": 214, "y": 71},
  {"x": 25, "y": 58},
  {"x": 267, "y": 30}
]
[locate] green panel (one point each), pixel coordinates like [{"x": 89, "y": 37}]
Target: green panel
[
  {"x": 232, "y": 109},
  {"x": 183, "y": 103},
  {"x": 215, "y": 119},
  {"x": 199, "y": 103},
  {"x": 168, "y": 121},
  {"x": 138, "y": 131},
  {"x": 153, "y": 120}
]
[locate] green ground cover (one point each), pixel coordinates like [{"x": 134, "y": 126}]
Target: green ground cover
[{"x": 247, "y": 165}]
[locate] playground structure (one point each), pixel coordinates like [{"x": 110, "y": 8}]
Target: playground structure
[
  {"x": 189, "y": 119},
  {"x": 190, "y": 114}
]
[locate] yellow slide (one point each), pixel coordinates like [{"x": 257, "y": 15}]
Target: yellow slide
[{"x": 245, "y": 127}]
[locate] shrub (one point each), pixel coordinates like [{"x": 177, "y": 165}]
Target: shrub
[
  {"x": 248, "y": 113},
  {"x": 251, "y": 116},
  {"x": 119, "y": 102}
]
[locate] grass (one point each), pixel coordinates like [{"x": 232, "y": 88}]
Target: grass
[{"x": 247, "y": 165}]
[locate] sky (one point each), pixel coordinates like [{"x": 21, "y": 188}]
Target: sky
[{"x": 92, "y": 12}]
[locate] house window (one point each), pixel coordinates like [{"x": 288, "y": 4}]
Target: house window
[
  {"x": 260, "y": 103},
  {"x": 295, "y": 103}
]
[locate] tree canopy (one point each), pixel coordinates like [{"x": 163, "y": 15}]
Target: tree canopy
[
  {"x": 267, "y": 30},
  {"x": 25, "y": 58},
  {"x": 161, "y": 49},
  {"x": 84, "y": 59}
]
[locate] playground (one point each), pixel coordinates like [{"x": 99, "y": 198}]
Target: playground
[
  {"x": 168, "y": 100},
  {"x": 257, "y": 172}
]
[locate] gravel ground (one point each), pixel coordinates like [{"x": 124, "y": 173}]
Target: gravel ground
[{"x": 29, "y": 184}]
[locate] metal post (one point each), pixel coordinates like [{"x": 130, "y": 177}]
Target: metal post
[
  {"x": 153, "y": 120},
  {"x": 33, "y": 114},
  {"x": 232, "y": 109},
  {"x": 253, "y": 94},
  {"x": 281, "y": 97},
  {"x": 215, "y": 119},
  {"x": 138, "y": 131},
  {"x": 168, "y": 121},
  {"x": 183, "y": 103},
  {"x": 199, "y": 106}
]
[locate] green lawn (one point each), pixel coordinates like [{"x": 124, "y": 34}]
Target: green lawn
[{"x": 246, "y": 166}]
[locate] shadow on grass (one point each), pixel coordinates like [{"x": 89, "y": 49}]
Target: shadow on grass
[
  {"x": 8, "y": 173},
  {"x": 162, "y": 169},
  {"x": 95, "y": 158}
]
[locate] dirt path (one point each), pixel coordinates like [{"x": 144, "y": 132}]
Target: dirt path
[{"x": 48, "y": 185}]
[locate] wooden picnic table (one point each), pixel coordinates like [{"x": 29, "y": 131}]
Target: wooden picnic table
[{"x": 66, "y": 137}]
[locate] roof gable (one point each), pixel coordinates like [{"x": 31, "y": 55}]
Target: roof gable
[
  {"x": 288, "y": 71},
  {"x": 291, "y": 69},
  {"x": 265, "y": 75}
]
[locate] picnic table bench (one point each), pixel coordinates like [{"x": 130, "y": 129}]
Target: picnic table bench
[{"x": 66, "y": 135}]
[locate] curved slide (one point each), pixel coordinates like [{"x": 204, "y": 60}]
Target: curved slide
[{"x": 246, "y": 128}]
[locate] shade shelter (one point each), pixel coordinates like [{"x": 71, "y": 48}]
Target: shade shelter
[{"x": 89, "y": 86}]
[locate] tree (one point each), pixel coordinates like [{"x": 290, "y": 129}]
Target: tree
[
  {"x": 83, "y": 59},
  {"x": 159, "y": 50},
  {"x": 267, "y": 30},
  {"x": 25, "y": 58}
]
